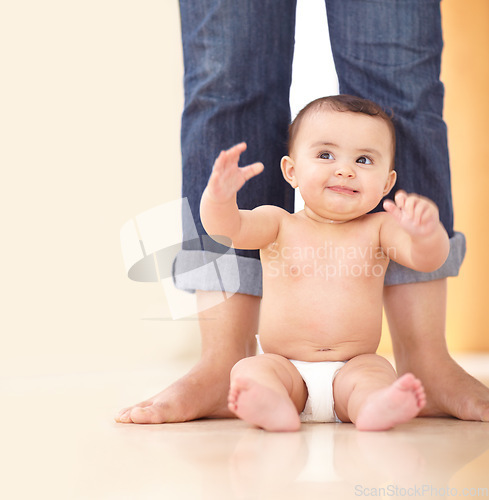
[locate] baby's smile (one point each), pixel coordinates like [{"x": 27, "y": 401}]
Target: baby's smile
[{"x": 343, "y": 189}]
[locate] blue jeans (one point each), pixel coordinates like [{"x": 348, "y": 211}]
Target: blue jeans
[{"x": 238, "y": 69}]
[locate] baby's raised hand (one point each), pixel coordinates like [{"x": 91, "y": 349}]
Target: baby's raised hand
[
  {"x": 416, "y": 214},
  {"x": 227, "y": 178}
]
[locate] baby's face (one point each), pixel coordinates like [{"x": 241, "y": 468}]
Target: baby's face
[{"x": 341, "y": 163}]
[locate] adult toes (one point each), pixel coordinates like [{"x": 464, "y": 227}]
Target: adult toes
[
  {"x": 146, "y": 415},
  {"x": 479, "y": 411},
  {"x": 124, "y": 415},
  {"x": 485, "y": 413}
]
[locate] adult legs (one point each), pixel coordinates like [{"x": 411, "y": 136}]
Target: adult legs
[
  {"x": 390, "y": 52},
  {"x": 238, "y": 70},
  {"x": 238, "y": 60}
]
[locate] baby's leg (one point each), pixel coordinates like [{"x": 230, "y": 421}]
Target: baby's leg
[
  {"x": 368, "y": 393},
  {"x": 267, "y": 391}
]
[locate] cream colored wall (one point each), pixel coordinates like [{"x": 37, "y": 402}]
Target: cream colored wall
[{"x": 91, "y": 102}]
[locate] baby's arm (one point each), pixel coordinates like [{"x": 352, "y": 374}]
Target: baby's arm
[
  {"x": 414, "y": 235},
  {"x": 248, "y": 229}
]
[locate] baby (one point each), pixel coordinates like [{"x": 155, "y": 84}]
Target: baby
[{"x": 323, "y": 271}]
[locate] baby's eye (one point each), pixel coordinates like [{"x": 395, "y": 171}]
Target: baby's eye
[
  {"x": 326, "y": 156},
  {"x": 365, "y": 160}
]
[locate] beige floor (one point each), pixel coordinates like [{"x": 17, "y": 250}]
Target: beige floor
[{"x": 59, "y": 442}]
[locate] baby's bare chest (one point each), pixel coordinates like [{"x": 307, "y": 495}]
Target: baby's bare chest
[{"x": 302, "y": 253}]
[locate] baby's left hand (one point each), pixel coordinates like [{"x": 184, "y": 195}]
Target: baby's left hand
[{"x": 416, "y": 214}]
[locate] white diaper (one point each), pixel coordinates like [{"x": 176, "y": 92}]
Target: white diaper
[{"x": 318, "y": 377}]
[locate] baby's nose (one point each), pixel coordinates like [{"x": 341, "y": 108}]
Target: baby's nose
[{"x": 345, "y": 170}]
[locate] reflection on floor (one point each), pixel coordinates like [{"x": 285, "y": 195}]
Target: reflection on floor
[{"x": 59, "y": 442}]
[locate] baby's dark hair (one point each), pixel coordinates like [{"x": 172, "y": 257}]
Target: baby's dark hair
[{"x": 342, "y": 102}]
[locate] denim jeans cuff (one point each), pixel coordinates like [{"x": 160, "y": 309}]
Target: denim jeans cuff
[
  {"x": 210, "y": 271},
  {"x": 400, "y": 275}
]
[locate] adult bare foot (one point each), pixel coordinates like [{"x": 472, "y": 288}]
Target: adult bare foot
[
  {"x": 396, "y": 404},
  {"x": 453, "y": 392},
  {"x": 416, "y": 313},
  {"x": 227, "y": 332},
  {"x": 200, "y": 393},
  {"x": 261, "y": 406}
]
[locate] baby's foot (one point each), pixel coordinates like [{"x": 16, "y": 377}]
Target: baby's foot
[
  {"x": 393, "y": 405},
  {"x": 262, "y": 406}
]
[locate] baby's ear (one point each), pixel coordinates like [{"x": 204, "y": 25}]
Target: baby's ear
[
  {"x": 391, "y": 180},
  {"x": 288, "y": 170}
]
